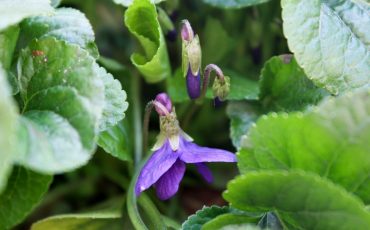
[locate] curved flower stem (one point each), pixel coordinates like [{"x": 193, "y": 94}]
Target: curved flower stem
[
  {"x": 151, "y": 211},
  {"x": 148, "y": 111},
  {"x": 135, "y": 86},
  {"x": 132, "y": 209},
  {"x": 207, "y": 72}
]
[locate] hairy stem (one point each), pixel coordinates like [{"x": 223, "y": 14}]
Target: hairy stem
[{"x": 207, "y": 72}]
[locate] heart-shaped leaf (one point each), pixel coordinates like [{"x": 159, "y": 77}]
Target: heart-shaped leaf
[
  {"x": 285, "y": 87},
  {"x": 331, "y": 140},
  {"x": 302, "y": 200},
  {"x": 61, "y": 88},
  {"x": 330, "y": 40}
]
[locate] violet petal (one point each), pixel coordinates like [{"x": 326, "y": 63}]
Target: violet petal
[
  {"x": 192, "y": 153},
  {"x": 157, "y": 165},
  {"x": 193, "y": 84},
  {"x": 204, "y": 171},
  {"x": 168, "y": 184}
]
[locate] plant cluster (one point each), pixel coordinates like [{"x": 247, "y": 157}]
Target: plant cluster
[{"x": 298, "y": 123}]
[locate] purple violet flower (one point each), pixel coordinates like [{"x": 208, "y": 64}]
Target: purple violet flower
[
  {"x": 173, "y": 149},
  {"x": 191, "y": 60}
]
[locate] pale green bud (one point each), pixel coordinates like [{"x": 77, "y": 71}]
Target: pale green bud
[{"x": 220, "y": 88}]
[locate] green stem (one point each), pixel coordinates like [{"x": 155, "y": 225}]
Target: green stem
[
  {"x": 147, "y": 205},
  {"x": 132, "y": 209},
  {"x": 135, "y": 86},
  {"x": 148, "y": 110}
]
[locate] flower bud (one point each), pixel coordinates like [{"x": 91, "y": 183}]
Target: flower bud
[
  {"x": 191, "y": 51},
  {"x": 221, "y": 88},
  {"x": 187, "y": 33},
  {"x": 193, "y": 84},
  {"x": 163, "y": 104}
]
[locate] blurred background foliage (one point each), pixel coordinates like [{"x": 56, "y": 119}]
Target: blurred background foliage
[{"x": 239, "y": 40}]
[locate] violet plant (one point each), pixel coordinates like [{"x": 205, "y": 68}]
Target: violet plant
[
  {"x": 279, "y": 90},
  {"x": 173, "y": 148}
]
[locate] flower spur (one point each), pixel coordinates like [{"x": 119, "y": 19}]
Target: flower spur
[{"x": 173, "y": 149}]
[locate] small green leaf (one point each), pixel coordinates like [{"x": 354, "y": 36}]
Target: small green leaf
[
  {"x": 330, "y": 40},
  {"x": 205, "y": 218},
  {"x": 242, "y": 116},
  {"x": 141, "y": 20},
  {"x": 115, "y": 101},
  {"x": 8, "y": 129},
  {"x": 284, "y": 86},
  {"x": 330, "y": 140},
  {"x": 8, "y": 40},
  {"x": 233, "y": 4},
  {"x": 116, "y": 141},
  {"x": 101, "y": 218},
  {"x": 23, "y": 192},
  {"x": 65, "y": 24},
  {"x": 64, "y": 82},
  {"x": 14, "y": 11},
  {"x": 302, "y": 200}
]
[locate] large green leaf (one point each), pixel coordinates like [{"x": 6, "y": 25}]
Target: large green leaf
[
  {"x": 8, "y": 129},
  {"x": 115, "y": 101},
  {"x": 23, "y": 192},
  {"x": 108, "y": 216},
  {"x": 141, "y": 20},
  {"x": 232, "y": 4},
  {"x": 65, "y": 24},
  {"x": 302, "y": 200},
  {"x": 14, "y": 11},
  {"x": 116, "y": 141},
  {"x": 331, "y": 140},
  {"x": 284, "y": 86},
  {"x": 330, "y": 40},
  {"x": 215, "y": 217},
  {"x": 63, "y": 96}
]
